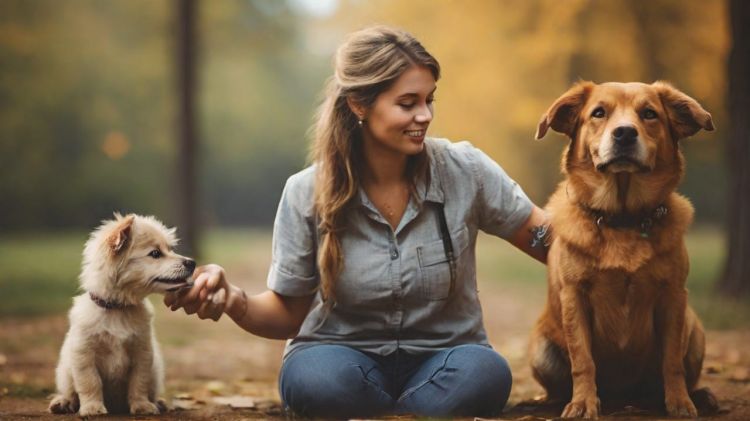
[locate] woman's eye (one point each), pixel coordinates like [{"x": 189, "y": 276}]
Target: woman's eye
[
  {"x": 155, "y": 253},
  {"x": 648, "y": 114},
  {"x": 406, "y": 106},
  {"x": 598, "y": 112}
]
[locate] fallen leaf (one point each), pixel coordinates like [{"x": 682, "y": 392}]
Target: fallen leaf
[
  {"x": 216, "y": 387},
  {"x": 714, "y": 368},
  {"x": 183, "y": 396},
  {"x": 733, "y": 356},
  {"x": 531, "y": 418},
  {"x": 236, "y": 401},
  {"x": 17, "y": 377},
  {"x": 740, "y": 375},
  {"x": 184, "y": 404}
]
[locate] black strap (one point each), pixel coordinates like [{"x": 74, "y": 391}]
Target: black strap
[{"x": 447, "y": 245}]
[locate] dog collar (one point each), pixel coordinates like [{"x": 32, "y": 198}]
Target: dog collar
[
  {"x": 106, "y": 304},
  {"x": 643, "y": 221}
]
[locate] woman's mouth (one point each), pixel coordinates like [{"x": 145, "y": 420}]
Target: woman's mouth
[{"x": 417, "y": 134}]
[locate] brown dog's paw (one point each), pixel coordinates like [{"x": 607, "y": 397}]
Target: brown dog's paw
[
  {"x": 705, "y": 401},
  {"x": 680, "y": 406},
  {"x": 64, "y": 405},
  {"x": 582, "y": 408}
]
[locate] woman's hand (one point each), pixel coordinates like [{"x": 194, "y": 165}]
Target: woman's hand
[{"x": 210, "y": 296}]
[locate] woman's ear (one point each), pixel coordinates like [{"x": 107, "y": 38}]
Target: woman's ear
[{"x": 356, "y": 108}]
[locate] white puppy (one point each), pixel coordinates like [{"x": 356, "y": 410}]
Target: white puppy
[{"x": 110, "y": 361}]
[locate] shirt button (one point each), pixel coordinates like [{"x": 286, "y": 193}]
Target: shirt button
[{"x": 394, "y": 254}]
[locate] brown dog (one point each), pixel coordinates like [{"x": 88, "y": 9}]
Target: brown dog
[{"x": 617, "y": 323}]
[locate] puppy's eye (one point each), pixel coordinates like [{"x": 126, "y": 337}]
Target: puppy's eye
[
  {"x": 155, "y": 253},
  {"x": 648, "y": 114},
  {"x": 598, "y": 112}
]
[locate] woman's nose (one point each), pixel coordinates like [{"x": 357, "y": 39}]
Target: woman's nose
[{"x": 424, "y": 115}]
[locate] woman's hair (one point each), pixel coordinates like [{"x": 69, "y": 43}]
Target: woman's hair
[{"x": 366, "y": 64}]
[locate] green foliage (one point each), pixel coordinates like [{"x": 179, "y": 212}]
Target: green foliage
[
  {"x": 40, "y": 273},
  {"x": 88, "y": 94},
  {"x": 88, "y": 125}
]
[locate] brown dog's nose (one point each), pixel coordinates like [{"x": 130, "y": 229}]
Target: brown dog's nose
[
  {"x": 625, "y": 135},
  {"x": 189, "y": 263}
]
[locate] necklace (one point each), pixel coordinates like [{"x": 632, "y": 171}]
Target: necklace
[{"x": 391, "y": 205}]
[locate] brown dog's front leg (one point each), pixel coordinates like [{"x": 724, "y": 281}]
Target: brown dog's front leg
[
  {"x": 676, "y": 398},
  {"x": 584, "y": 402}
]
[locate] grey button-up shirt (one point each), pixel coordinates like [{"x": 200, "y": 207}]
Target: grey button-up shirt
[{"x": 394, "y": 290}]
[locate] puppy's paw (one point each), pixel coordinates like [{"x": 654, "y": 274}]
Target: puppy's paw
[
  {"x": 89, "y": 409},
  {"x": 582, "y": 408},
  {"x": 162, "y": 405},
  {"x": 143, "y": 407},
  {"x": 680, "y": 406},
  {"x": 64, "y": 405}
]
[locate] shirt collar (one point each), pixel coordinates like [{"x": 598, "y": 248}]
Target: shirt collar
[{"x": 424, "y": 192}]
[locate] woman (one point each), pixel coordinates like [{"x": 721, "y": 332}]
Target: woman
[{"x": 373, "y": 274}]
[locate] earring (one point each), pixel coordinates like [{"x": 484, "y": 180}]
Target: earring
[{"x": 360, "y": 122}]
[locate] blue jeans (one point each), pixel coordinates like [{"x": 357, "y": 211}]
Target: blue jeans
[{"x": 334, "y": 381}]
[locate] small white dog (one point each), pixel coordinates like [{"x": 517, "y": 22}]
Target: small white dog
[{"x": 110, "y": 360}]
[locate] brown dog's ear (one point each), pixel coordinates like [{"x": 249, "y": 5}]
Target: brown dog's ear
[
  {"x": 562, "y": 116},
  {"x": 119, "y": 239},
  {"x": 686, "y": 116}
]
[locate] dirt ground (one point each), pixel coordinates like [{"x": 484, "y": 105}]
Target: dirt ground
[{"x": 217, "y": 371}]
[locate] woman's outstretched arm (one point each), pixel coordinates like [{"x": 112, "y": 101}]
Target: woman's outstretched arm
[{"x": 268, "y": 314}]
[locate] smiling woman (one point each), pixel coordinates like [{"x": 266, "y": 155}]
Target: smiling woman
[{"x": 373, "y": 276}]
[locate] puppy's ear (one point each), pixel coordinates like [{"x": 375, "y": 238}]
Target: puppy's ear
[
  {"x": 562, "y": 116},
  {"x": 686, "y": 117},
  {"x": 119, "y": 238}
]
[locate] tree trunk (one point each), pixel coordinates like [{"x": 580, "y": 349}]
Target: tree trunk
[
  {"x": 187, "y": 190},
  {"x": 736, "y": 277}
]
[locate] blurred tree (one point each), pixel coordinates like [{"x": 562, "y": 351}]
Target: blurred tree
[
  {"x": 187, "y": 133},
  {"x": 736, "y": 277}
]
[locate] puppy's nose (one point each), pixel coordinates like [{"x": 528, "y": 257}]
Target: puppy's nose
[
  {"x": 189, "y": 263},
  {"x": 625, "y": 135}
]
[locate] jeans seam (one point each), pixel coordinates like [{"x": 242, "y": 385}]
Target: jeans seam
[
  {"x": 369, "y": 381},
  {"x": 412, "y": 390}
]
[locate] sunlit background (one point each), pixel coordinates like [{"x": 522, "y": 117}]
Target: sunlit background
[
  {"x": 87, "y": 90},
  {"x": 89, "y": 118}
]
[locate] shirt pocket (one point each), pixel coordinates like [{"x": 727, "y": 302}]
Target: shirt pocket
[{"x": 434, "y": 268}]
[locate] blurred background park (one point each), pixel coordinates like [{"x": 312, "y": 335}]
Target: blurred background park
[
  {"x": 198, "y": 111},
  {"x": 94, "y": 118}
]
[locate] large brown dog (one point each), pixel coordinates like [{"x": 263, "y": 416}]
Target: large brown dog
[{"x": 617, "y": 323}]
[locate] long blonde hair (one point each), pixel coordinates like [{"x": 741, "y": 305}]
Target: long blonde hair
[{"x": 366, "y": 64}]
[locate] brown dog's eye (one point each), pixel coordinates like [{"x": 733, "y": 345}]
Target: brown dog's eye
[
  {"x": 155, "y": 253},
  {"x": 648, "y": 114},
  {"x": 598, "y": 112}
]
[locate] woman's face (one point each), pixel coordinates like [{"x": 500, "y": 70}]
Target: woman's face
[{"x": 399, "y": 118}]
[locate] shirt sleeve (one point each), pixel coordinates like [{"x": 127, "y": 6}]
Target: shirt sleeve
[
  {"x": 503, "y": 205},
  {"x": 293, "y": 263}
]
